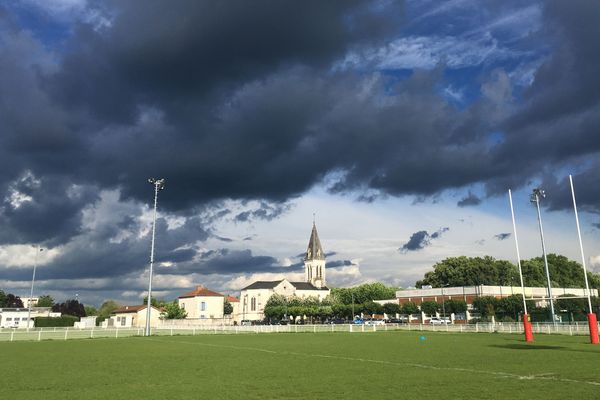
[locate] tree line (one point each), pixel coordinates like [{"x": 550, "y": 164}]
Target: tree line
[{"x": 474, "y": 271}]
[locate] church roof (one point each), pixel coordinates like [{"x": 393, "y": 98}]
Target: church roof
[
  {"x": 307, "y": 286},
  {"x": 263, "y": 285},
  {"x": 314, "y": 250}
]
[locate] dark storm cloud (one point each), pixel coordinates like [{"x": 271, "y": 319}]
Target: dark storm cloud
[
  {"x": 502, "y": 236},
  {"x": 417, "y": 241},
  {"x": 339, "y": 263},
  {"x": 265, "y": 212},
  {"x": 421, "y": 239},
  {"x": 228, "y": 100},
  {"x": 470, "y": 200},
  {"x": 556, "y": 126}
]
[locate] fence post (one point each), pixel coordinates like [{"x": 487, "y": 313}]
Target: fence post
[
  {"x": 350, "y": 328},
  {"x": 476, "y": 326},
  {"x": 66, "y": 333},
  {"x": 116, "y": 333},
  {"x": 362, "y": 326},
  {"x": 12, "y": 333},
  {"x": 92, "y": 334},
  {"x": 39, "y": 336},
  {"x": 314, "y": 329}
]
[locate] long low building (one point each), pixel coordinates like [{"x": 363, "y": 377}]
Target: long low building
[{"x": 469, "y": 293}]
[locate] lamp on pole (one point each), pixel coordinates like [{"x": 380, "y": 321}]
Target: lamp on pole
[
  {"x": 535, "y": 198},
  {"x": 159, "y": 184},
  {"x": 38, "y": 249}
]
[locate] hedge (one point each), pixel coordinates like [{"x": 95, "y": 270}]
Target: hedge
[{"x": 65, "y": 320}]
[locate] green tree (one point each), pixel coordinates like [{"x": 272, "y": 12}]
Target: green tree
[
  {"x": 470, "y": 271},
  {"x": 90, "y": 310},
  {"x": 13, "y": 301},
  {"x": 364, "y": 293},
  {"x": 45, "y": 301},
  {"x": 510, "y": 306},
  {"x": 391, "y": 309},
  {"x": 430, "y": 307},
  {"x": 2, "y": 299},
  {"x": 573, "y": 307},
  {"x": 409, "y": 308},
  {"x": 70, "y": 307},
  {"x": 227, "y": 308},
  {"x": 486, "y": 305},
  {"x": 173, "y": 311},
  {"x": 106, "y": 309},
  {"x": 455, "y": 306},
  {"x": 157, "y": 303}
]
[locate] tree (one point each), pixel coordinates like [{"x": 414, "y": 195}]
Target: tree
[
  {"x": 2, "y": 299},
  {"x": 45, "y": 301},
  {"x": 70, "y": 307},
  {"x": 430, "y": 307},
  {"x": 409, "y": 308},
  {"x": 13, "y": 301},
  {"x": 106, "y": 309},
  {"x": 455, "y": 306},
  {"x": 486, "y": 305},
  {"x": 470, "y": 271},
  {"x": 90, "y": 310},
  {"x": 157, "y": 303},
  {"x": 571, "y": 306},
  {"x": 173, "y": 311},
  {"x": 511, "y": 306},
  {"x": 391, "y": 309},
  {"x": 363, "y": 293},
  {"x": 227, "y": 308}
]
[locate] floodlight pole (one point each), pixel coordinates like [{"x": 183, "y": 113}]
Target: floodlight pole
[
  {"x": 159, "y": 184},
  {"x": 526, "y": 322},
  {"x": 535, "y": 198},
  {"x": 38, "y": 249},
  {"x": 592, "y": 321}
]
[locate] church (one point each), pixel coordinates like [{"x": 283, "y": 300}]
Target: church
[{"x": 254, "y": 297}]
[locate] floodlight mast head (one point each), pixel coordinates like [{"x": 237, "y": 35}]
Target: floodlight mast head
[
  {"x": 537, "y": 194},
  {"x": 158, "y": 183}
]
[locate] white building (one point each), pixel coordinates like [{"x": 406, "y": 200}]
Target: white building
[
  {"x": 254, "y": 297},
  {"x": 133, "y": 317},
  {"x": 17, "y": 317},
  {"x": 202, "y": 303}
]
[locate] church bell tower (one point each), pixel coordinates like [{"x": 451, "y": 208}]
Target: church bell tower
[{"x": 314, "y": 261}]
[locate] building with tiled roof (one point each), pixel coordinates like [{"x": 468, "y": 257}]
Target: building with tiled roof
[
  {"x": 254, "y": 297},
  {"x": 203, "y": 304}
]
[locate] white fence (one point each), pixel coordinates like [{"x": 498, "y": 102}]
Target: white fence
[{"x": 39, "y": 334}]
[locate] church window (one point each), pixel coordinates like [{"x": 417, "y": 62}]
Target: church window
[
  {"x": 253, "y": 304},
  {"x": 203, "y": 306}
]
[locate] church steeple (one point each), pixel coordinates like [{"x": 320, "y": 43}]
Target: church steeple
[
  {"x": 314, "y": 251},
  {"x": 314, "y": 260}
]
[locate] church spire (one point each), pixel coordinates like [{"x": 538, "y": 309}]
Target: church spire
[{"x": 314, "y": 251}]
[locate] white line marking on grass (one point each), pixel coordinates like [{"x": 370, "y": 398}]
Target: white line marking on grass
[{"x": 543, "y": 376}]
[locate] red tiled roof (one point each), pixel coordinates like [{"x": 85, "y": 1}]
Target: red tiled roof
[
  {"x": 200, "y": 291},
  {"x": 232, "y": 299}
]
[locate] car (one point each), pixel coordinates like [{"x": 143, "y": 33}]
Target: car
[
  {"x": 358, "y": 321},
  {"x": 439, "y": 321},
  {"x": 246, "y": 322},
  {"x": 375, "y": 322},
  {"x": 396, "y": 321}
]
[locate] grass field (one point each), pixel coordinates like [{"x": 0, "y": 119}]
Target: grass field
[{"x": 383, "y": 365}]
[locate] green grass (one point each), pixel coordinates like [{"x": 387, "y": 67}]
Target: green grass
[{"x": 384, "y": 365}]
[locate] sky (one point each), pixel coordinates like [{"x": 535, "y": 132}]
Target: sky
[{"x": 398, "y": 126}]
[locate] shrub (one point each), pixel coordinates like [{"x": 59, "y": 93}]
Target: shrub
[{"x": 65, "y": 320}]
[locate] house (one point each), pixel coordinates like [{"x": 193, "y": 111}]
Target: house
[
  {"x": 133, "y": 317},
  {"x": 202, "y": 303},
  {"x": 254, "y": 297}
]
